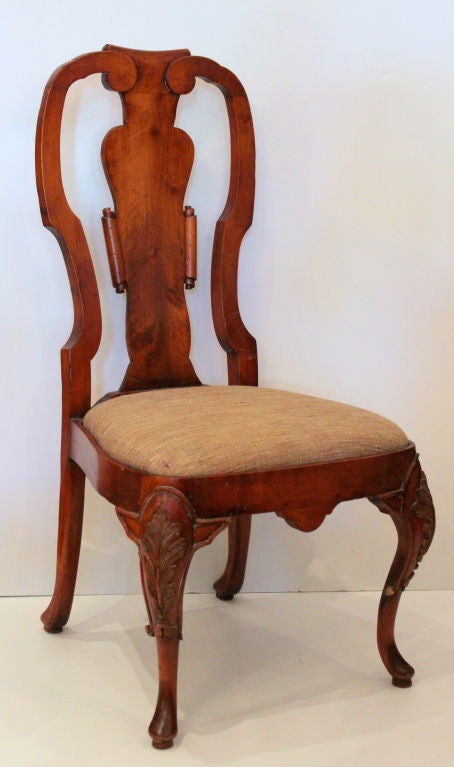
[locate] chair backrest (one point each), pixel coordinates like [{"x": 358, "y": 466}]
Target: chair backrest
[{"x": 147, "y": 162}]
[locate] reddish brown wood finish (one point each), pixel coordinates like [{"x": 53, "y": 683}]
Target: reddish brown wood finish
[
  {"x": 167, "y": 533},
  {"x": 190, "y": 247},
  {"x": 232, "y": 579},
  {"x": 413, "y": 514},
  {"x": 236, "y": 217},
  {"x": 147, "y": 162},
  {"x": 84, "y": 339},
  {"x": 114, "y": 250},
  {"x": 151, "y": 249},
  {"x": 72, "y": 491}
]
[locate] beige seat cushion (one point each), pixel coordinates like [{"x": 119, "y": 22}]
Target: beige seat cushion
[{"x": 225, "y": 429}]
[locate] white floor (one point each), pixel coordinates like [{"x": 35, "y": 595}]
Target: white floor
[{"x": 269, "y": 679}]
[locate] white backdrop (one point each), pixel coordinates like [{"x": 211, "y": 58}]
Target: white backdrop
[{"x": 345, "y": 279}]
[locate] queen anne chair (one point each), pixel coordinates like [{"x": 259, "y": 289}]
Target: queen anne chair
[{"x": 182, "y": 461}]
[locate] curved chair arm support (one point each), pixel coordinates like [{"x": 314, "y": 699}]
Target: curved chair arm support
[
  {"x": 236, "y": 217},
  {"x": 60, "y": 219}
]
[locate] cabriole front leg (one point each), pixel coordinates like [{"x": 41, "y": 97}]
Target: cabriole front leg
[
  {"x": 413, "y": 514},
  {"x": 164, "y": 533}
]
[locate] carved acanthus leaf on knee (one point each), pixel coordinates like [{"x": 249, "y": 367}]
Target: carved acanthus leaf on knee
[
  {"x": 164, "y": 533},
  {"x": 414, "y": 502},
  {"x": 165, "y": 550}
]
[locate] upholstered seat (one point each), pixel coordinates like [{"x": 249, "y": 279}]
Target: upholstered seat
[{"x": 201, "y": 430}]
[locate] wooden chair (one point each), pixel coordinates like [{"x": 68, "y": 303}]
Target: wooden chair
[{"x": 181, "y": 461}]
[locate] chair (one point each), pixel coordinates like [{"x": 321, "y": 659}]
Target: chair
[{"x": 179, "y": 460}]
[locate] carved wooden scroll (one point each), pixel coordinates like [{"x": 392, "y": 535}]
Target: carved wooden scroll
[{"x": 236, "y": 217}]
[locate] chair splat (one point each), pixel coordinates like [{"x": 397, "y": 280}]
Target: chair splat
[{"x": 147, "y": 162}]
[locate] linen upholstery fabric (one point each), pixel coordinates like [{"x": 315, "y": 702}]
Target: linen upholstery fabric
[{"x": 201, "y": 430}]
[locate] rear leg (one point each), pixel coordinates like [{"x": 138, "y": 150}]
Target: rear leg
[
  {"x": 72, "y": 491},
  {"x": 232, "y": 579}
]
